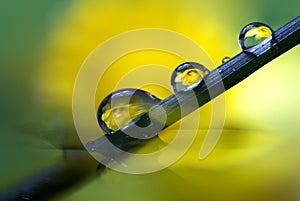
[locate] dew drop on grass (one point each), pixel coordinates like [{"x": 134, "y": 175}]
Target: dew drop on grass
[
  {"x": 253, "y": 34},
  {"x": 121, "y": 107},
  {"x": 225, "y": 59},
  {"x": 187, "y": 74}
]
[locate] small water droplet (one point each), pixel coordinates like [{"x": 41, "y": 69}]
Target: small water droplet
[
  {"x": 187, "y": 74},
  {"x": 121, "y": 107},
  {"x": 253, "y": 34},
  {"x": 225, "y": 59}
]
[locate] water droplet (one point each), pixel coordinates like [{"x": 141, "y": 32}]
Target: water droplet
[
  {"x": 187, "y": 74},
  {"x": 225, "y": 59},
  {"x": 121, "y": 107},
  {"x": 253, "y": 34}
]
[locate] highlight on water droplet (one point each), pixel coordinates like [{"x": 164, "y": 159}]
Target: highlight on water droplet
[
  {"x": 186, "y": 75},
  {"x": 225, "y": 59},
  {"x": 253, "y": 34},
  {"x": 121, "y": 107}
]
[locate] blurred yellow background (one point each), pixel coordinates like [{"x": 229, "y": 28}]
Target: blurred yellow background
[{"x": 45, "y": 43}]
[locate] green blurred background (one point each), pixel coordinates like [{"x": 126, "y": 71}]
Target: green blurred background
[{"x": 43, "y": 44}]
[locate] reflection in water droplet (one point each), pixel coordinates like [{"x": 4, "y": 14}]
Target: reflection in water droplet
[
  {"x": 253, "y": 34},
  {"x": 225, "y": 59},
  {"x": 187, "y": 74},
  {"x": 122, "y": 106}
]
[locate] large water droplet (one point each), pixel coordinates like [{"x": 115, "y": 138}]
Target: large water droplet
[
  {"x": 121, "y": 107},
  {"x": 187, "y": 74},
  {"x": 253, "y": 34}
]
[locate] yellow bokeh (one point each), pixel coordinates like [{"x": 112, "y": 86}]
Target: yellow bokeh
[{"x": 84, "y": 26}]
